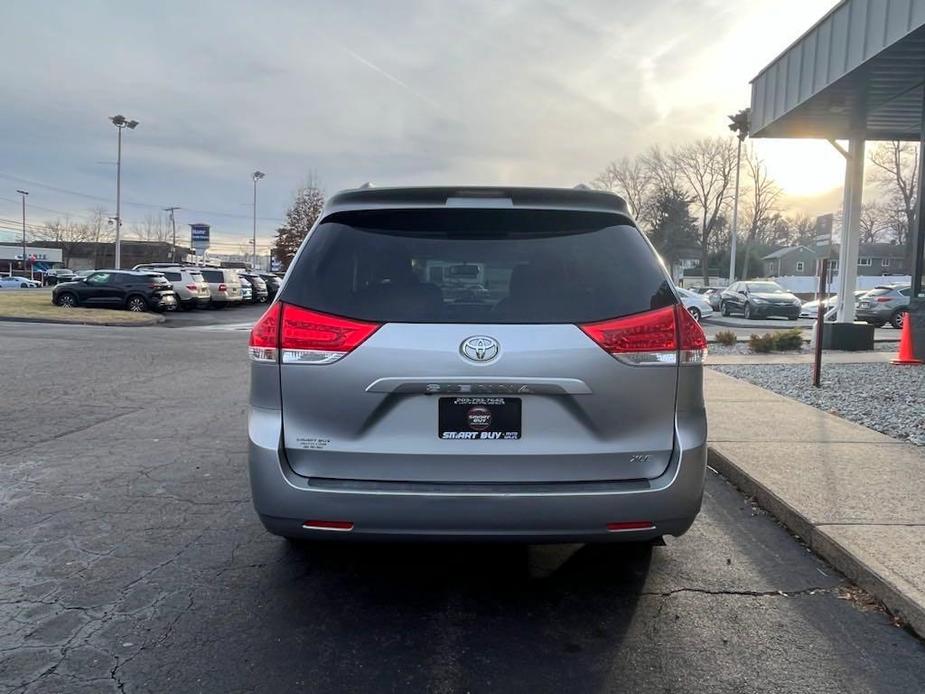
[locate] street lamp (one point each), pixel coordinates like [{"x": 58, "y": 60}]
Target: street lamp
[
  {"x": 23, "y": 194},
  {"x": 739, "y": 125},
  {"x": 257, "y": 175},
  {"x": 121, "y": 123}
]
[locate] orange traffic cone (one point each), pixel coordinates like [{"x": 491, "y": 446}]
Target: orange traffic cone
[{"x": 906, "y": 353}]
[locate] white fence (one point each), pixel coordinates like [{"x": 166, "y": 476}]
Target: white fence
[{"x": 808, "y": 285}]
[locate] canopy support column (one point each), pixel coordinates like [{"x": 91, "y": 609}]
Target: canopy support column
[{"x": 851, "y": 230}]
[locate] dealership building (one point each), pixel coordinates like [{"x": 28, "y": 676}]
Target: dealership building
[{"x": 857, "y": 75}]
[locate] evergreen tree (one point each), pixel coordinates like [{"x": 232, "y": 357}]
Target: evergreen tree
[
  {"x": 300, "y": 217},
  {"x": 674, "y": 231}
]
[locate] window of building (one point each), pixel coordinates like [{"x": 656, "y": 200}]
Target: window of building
[
  {"x": 864, "y": 262},
  {"x": 833, "y": 265},
  {"x": 800, "y": 266},
  {"x": 884, "y": 262}
]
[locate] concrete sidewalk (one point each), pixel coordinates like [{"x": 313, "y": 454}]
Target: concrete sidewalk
[{"x": 855, "y": 496}]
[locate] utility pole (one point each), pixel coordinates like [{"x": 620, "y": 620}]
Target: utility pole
[
  {"x": 23, "y": 194},
  {"x": 740, "y": 125},
  {"x": 173, "y": 224},
  {"x": 121, "y": 123},
  {"x": 257, "y": 175}
]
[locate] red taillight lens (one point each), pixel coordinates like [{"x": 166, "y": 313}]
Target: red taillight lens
[
  {"x": 264, "y": 340},
  {"x": 343, "y": 526},
  {"x": 653, "y": 337},
  {"x": 309, "y": 337},
  {"x": 223, "y": 287},
  {"x": 192, "y": 287},
  {"x": 883, "y": 299},
  {"x": 630, "y": 525}
]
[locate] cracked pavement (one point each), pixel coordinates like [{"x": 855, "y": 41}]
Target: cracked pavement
[{"x": 131, "y": 560}]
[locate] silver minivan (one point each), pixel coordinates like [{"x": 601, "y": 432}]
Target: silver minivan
[
  {"x": 224, "y": 286},
  {"x": 503, "y": 364}
]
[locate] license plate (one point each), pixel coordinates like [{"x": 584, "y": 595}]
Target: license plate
[{"x": 479, "y": 418}]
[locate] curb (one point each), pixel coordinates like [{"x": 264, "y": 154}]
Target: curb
[
  {"x": 156, "y": 320},
  {"x": 852, "y": 566}
]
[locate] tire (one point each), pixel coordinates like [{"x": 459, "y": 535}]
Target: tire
[
  {"x": 219, "y": 305},
  {"x": 136, "y": 304},
  {"x": 724, "y": 308},
  {"x": 898, "y": 318},
  {"x": 67, "y": 300},
  {"x": 695, "y": 312},
  {"x": 747, "y": 312},
  {"x": 24, "y": 286},
  {"x": 186, "y": 307}
]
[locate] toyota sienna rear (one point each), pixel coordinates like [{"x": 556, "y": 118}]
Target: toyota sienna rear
[{"x": 477, "y": 364}]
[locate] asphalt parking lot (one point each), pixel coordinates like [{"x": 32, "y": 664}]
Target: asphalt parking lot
[{"x": 131, "y": 560}]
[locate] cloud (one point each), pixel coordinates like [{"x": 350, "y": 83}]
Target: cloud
[{"x": 411, "y": 91}]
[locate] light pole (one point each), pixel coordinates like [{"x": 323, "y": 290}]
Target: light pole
[
  {"x": 173, "y": 224},
  {"x": 121, "y": 123},
  {"x": 257, "y": 175},
  {"x": 23, "y": 194},
  {"x": 739, "y": 125}
]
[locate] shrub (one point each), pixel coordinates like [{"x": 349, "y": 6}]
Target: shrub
[
  {"x": 788, "y": 340},
  {"x": 726, "y": 337},
  {"x": 761, "y": 343}
]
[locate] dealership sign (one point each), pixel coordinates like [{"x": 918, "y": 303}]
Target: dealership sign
[{"x": 199, "y": 237}]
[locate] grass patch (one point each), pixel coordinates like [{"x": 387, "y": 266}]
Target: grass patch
[{"x": 35, "y": 304}]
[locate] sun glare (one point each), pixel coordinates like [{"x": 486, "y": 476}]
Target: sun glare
[{"x": 802, "y": 167}]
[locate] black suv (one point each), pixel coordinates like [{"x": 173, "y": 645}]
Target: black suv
[
  {"x": 128, "y": 289},
  {"x": 259, "y": 290}
]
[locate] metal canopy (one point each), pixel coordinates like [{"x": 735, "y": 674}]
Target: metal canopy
[{"x": 859, "y": 72}]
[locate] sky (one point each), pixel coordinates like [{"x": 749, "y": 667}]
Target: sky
[{"x": 526, "y": 92}]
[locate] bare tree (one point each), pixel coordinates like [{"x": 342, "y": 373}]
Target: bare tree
[
  {"x": 760, "y": 204},
  {"x": 895, "y": 166},
  {"x": 707, "y": 168},
  {"x": 66, "y": 234},
  {"x": 632, "y": 180},
  {"x": 874, "y": 222},
  {"x": 152, "y": 228}
]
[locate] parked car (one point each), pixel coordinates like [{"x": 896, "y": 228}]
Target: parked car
[
  {"x": 563, "y": 406},
  {"x": 58, "y": 275},
  {"x": 713, "y": 296},
  {"x": 884, "y": 304},
  {"x": 273, "y": 284},
  {"x": 759, "y": 299},
  {"x": 809, "y": 309},
  {"x": 84, "y": 273},
  {"x": 18, "y": 282},
  {"x": 189, "y": 284},
  {"x": 128, "y": 289},
  {"x": 247, "y": 290},
  {"x": 224, "y": 286},
  {"x": 695, "y": 303},
  {"x": 260, "y": 293}
]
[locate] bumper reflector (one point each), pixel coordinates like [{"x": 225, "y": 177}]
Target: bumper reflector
[
  {"x": 338, "y": 526},
  {"x": 630, "y": 525}
]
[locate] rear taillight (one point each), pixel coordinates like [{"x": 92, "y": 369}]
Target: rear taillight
[
  {"x": 883, "y": 299},
  {"x": 309, "y": 337},
  {"x": 264, "y": 341},
  {"x": 667, "y": 335},
  {"x": 295, "y": 335},
  {"x": 192, "y": 287},
  {"x": 223, "y": 287}
]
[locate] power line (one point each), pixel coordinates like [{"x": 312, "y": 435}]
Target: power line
[{"x": 67, "y": 191}]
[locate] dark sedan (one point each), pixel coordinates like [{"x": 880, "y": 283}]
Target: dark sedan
[
  {"x": 131, "y": 290},
  {"x": 759, "y": 300}
]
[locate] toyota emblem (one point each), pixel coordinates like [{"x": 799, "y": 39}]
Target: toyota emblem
[{"x": 479, "y": 348}]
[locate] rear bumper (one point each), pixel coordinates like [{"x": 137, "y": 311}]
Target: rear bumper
[{"x": 284, "y": 501}]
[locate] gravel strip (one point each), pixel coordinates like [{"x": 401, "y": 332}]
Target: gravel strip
[
  {"x": 742, "y": 348},
  {"x": 889, "y": 399}
]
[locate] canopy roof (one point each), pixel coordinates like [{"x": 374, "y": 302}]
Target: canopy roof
[{"x": 859, "y": 71}]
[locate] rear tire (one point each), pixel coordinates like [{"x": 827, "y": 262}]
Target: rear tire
[
  {"x": 67, "y": 300},
  {"x": 724, "y": 308},
  {"x": 747, "y": 313},
  {"x": 897, "y": 319},
  {"x": 695, "y": 312}
]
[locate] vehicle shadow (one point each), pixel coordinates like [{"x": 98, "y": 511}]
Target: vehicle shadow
[{"x": 462, "y": 616}]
